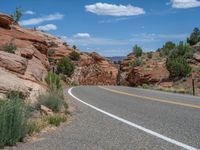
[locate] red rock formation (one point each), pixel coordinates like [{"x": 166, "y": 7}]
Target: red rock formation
[
  {"x": 6, "y": 21},
  {"x": 25, "y": 70},
  {"x": 95, "y": 70},
  {"x": 151, "y": 71}
]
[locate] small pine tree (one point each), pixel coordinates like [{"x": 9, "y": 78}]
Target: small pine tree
[
  {"x": 194, "y": 37},
  {"x": 137, "y": 51},
  {"x": 74, "y": 47},
  {"x": 17, "y": 15}
]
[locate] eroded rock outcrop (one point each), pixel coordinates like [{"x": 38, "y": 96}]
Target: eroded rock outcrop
[
  {"x": 95, "y": 70},
  {"x": 151, "y": 71},
  {"x": 25, "y": 69}
]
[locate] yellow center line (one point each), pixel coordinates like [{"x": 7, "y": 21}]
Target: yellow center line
[{"x": 151, "y": 98}]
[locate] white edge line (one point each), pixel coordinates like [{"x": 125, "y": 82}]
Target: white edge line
[{"x": 135, "y": 125}]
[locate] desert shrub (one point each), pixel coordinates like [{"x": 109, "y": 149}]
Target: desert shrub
[
  {"x": 183, "y": 50},
  {"x": 74, "y": 56},
  {"x": 66, "y": 66},
  {"x": 51, "y": 52},
  {"x": 194, "y": 37},
  {"x": 145, "y": 86},
  {"x": 136, "y": 62},
  {"x": 32, "y": 127},
  {"x": 149, "y": 55},
  {"x": 53, "y": 81},
  {"x": 178, "y": 67},
  {"x": 56, "y": 120},
  {"x": 10, "y": 48},
  {"x": 54, "y": 101},
  {"x": 51, "y": 60},
  {"x": 167, "y": 48},
  {"x": 137, "y": 51},
  {"x": 12, "y": 121}
]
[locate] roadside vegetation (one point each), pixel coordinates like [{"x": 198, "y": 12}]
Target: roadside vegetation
[
  {"x": 12, "y": 119},
  {"x": 177, "y": 63},
  {"x": 17, "y": 119}
]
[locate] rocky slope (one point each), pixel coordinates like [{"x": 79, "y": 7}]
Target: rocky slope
[
  {"x": 25, "y": 69},
  {"x": 153, "y": 72}
]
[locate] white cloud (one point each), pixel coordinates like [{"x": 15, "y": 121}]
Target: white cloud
[
  {"x": 184, "y": 3},
  {"x": 47, "y": 27},
  {"x": 29, "y": 12},
  {"x": 114, "y": 20},
  {"x": 91, "y": 41},
  {"x": 82, "y": 35},
  {"x": 35, "y": 21},
  {"x": 150, "y": 37},
  {"x": 114, "y": 10}
]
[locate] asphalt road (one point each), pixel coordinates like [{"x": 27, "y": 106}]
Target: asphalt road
[{"x": 123, "y": 118}]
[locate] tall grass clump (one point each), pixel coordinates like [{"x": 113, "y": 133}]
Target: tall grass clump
[
  {"x": 12, "y": 120},
  {"x": 54, "y": 99},
  {"x": 53, "y": 81}
]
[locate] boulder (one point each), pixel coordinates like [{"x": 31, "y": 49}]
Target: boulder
[
  {"x": 13, "y": 62},
  {"x": 5, "y": 21},
  {"x": 46, "y": 111}
]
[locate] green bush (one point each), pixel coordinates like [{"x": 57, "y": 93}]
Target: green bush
[
  {"x": 56, "y": 120},
  {"x": 136, "y": 62},
  {"x": 167, "y": 48},
  {"x": 137, "y": 51},
  {"x": 183, "y": 50},
  {"x": 178, "y": 67},
  {"x": 66, "y": 66},
  {"x": 194, "y": 37},
  {"x": 53, "y": 81},
  {"x": 54, "y": 101},
  {"x": 12, "y": 121},
  {"x": 74, "y": 56},
  {"x": 10, "y": 48},
  {"x": 51, "y": 60}
]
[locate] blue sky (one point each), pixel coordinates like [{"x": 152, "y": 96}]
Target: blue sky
[{"x": 110, "y": 27}]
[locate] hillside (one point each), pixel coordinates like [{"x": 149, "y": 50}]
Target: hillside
[
  {"x": 25, "y": 60},
  {"x": 152, "y": 73}
]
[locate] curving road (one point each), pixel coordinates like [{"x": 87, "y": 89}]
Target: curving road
[{"x": 116, "y": 118}]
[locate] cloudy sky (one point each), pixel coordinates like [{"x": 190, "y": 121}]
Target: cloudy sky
[{"x": 110, "y": 27}]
